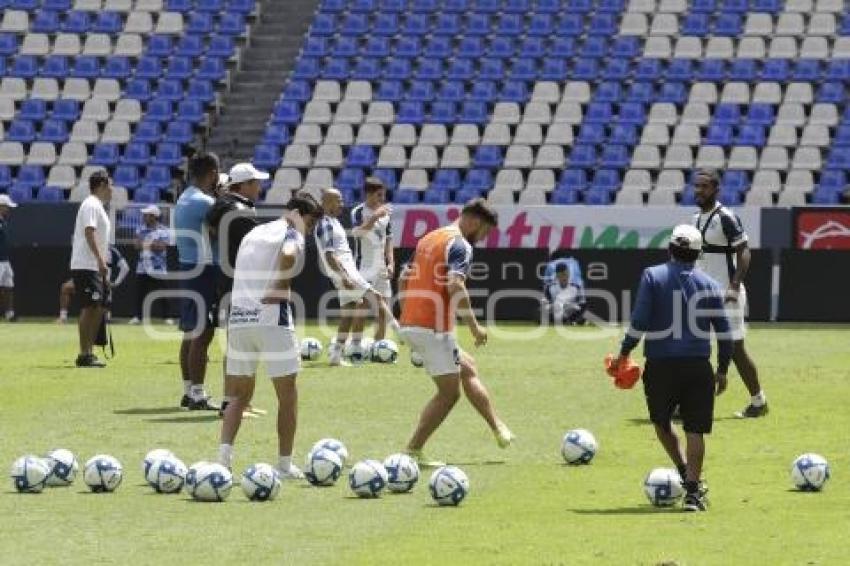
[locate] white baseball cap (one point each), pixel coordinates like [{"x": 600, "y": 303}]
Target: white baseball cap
[
  {"x": 223, "y": 179},
  {"x": 687, "y": 237},
  {"x": 152, "y": 209},
  {"x": 6, "y": 201},
  {"x": 242, "y": 172}
]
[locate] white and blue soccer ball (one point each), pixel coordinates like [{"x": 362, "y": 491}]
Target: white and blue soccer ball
[
  {"x": 103, "y": 473},
  {"x": 153, "y": 456},
  {"x": 29, "y": 474},
  {"x": 368, "y": 478},
  {"x": 261, "y": 482},
  {"x": 663, "y": 487},
  {"x": 167, "y": 475},
  {"x": 416, "y": 359},
  {"x": 402, "y": 473},
  {"x": 579, "y": 446},
  {"x": 334, "y": 445},
  {"x": 385, "y": 351},
  {"x": 810, "y": 472},
  {"x": 323, "y": 467},
  {"x": 356, "y": 353},
  {"x": 207, "y": 481},
  {"x": 449, "y": 486},
  {"x": 63, "y": 467},
  {"x": 311, "y": 349}
]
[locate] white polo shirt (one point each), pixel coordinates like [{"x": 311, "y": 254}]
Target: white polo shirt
[
  {"x": 91, "y": 214},
  {"x": 721, "y": 232},
  {"x": 370, "y": 252}
]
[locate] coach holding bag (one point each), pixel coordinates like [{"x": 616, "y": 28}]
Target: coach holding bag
[{"x": 676, "y": 308}]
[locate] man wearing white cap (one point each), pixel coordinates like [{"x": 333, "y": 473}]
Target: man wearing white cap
[
  {"x": 152, "y": 239},
  {"x": 7, "y": 276},
  {"x": 676, "y": 308}
]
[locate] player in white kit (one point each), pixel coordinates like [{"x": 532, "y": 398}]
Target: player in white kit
[
  {"x": 726, "y": 258},
  {"x": 261, "y": 326},
  {"x": 373, "y": 252},
  {"x": 337, "y": 263}
]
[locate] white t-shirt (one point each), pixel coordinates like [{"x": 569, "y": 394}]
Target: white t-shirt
[
  {"x": 370, "y": 256},
  {"x": 256, "y": 271},
  {"x": 722, "y": 233},
  {"x": 90, "y": 215},
  {"x": 330, "y": 237}
]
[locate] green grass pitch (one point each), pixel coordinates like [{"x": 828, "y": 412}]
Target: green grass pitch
[{"x": 525, "y": 506}]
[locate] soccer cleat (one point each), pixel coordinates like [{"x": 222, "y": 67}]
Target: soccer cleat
[
  {"x": 423, "y": 460},
  {"x": 504, "y": 436},
  {"x": 292, "y": 473},
  {"x": 203, "y": 404},
  {"x": 696, "y": 501},
  {"x": 89, "y": 361},
  {"x": 753, "y": 412},
  {"x": 184, "y": 402}
]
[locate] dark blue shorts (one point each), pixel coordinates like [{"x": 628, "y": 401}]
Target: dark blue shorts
[{"x": 195, "y": 316}]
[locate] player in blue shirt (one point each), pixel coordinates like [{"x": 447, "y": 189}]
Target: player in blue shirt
[
  {"x": 676, "y": 309},
  {"x": 200, "y": 273}
]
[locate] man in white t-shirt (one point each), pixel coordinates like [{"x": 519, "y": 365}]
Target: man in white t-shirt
[
  {"x": 726, "y": 258},
  {"x": 89, "y": 264},
  {"x": 374, "y": 254},
  {"x": 7, "y": 275},
  {"x": 261, "y": 327}
]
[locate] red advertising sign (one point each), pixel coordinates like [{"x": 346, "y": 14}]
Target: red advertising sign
[{"x": 823, "y": 229}]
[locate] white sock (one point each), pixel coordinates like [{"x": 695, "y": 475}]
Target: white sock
[
  {"x": 63, "y": 314},
  {"x": 187, "y": 386},
  {"x": 225, "y": 455},
  {"x": 758, "y": 399},
  {"x": 196, "y": 392},
  {"x": 10, "y": 314},
  {"x": 285, "y": 462}
]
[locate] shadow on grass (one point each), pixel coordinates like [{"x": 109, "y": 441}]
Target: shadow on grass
[
  {"x": 69, "y": 365},
  {"x": 637, "y": 510},
  {"x": 642, "y": 421},
  {"x": 147, "y": 411},
  {"x": 473, "y": 464},
  {"x": 186, "y": 420}
]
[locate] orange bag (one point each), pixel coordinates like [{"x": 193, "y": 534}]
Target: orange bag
[{"x": 626, "y": 376}]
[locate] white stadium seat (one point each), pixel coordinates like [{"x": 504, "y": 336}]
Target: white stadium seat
[
  {"x": 655, "y": 134},
  {"x": 550, "y": 157},
  {"x": 116, "y": 131},
  {"x": 139, "y": 22},
  {"x": 340, "y": 134},
  {"x": 532, "y": 197},
  {"x": 509, "y": 180},
  {"x": 380, "y": 113},
  {"x": 297, "y": 156},
  {"x": 129, "y": 45},
  {"x": 96, "y": 110},
  {"x": 678, "y": 157},
  {"x": 758, "y": 24},
  {"x": 506, "y": 113},
  {"x": 496, "y": 134},
  {"x": 529, "y": 134},
  {"x": 670, "y": 181},
  {"x": 664, "y": 24},
  {"x": 634, "y": 24},
  {"x": 814, "y": 48},
  {"x": 519, "y": 156},
  {"x": 108, "y": 89},
  {"x": 45, "y": 89},
  {"x": 500, "y": 196},
  {"x": 287, "y": 179},
  {"x": 637, "y": 180},
  {"x": 67, "y": 44},
  {"x": 169, "y": 23},
  {"x": 15, "y": 21},
  {"x": 392, "y": 156},
  {"x": 743, "y": 158},
  {"x": 62, "y": 176},
  {"x": 766, "y": 181},
  {"x": 349, "y": 112},
  {"x": 540, "y": 179},
  {"x": 687, "y": 134},
  {"x": 361, "y": 91},
  {"x": 576, "y": 91},
  {"x": 11, "y": 153},
  {"x": 559, "y": 134},
  {"x": 128, "y": 110},
  {"x": 688, "y": 48},
  {"x": 807, "y": 158},
  {"x": 783, "y": 135},
  {"x": 97, "y": 45},
  {"x": 402, "y": 134},
  {"x": 434, "y": 134},
  {"x": 74, "y": 154},
  {"x": 329, "y": 155},
  {"x": 424, "y": 157},
  {"x": 546, "y": 91},
  {"x": 316, "y": 112},
  {"x": 710, "y": 156},
  {"x": 774, "y": 158},
  {"x": 327, "y": 91},
  {"x": 13, "y": 88},
  {"x": 455, "y": 157},
  {"x": 319, "y": 178},
  {"x": 371, "y": 134},
  {"x": 85, "y": 131},
  {"x": 647, "y": 156},
  {"x": 414, "y": 179},
  {"x": 35, "y": 44},
  {"x": 308, "y": 134},
  {"x": 466, "y": 134},
  {"x": 568, "y": 113},
  {"x": 41, "y": 153}
]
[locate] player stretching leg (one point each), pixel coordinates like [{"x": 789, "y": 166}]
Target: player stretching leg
[{"x": 434, "y": 287}]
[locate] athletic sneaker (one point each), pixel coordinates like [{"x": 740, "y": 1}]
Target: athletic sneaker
[
  {"x": 89, "y": 361},
  {"x": 293, "y": 473},
  {"x": 135, "y": 320},
  {"x": 696, "y": 501},
  {"x": 504, "y": 436},
  {"x": 753, "y": 412},
  {"x": 423, "y": 460},
  {"x": 202, "y": 405},
  {"x": 335, "y": 357},
  {"x": 185, "y": 400}
]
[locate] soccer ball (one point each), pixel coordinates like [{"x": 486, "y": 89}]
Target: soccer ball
[
  {"x": 416, "y": 359},
  {"x": 385, "y": 352},
  {"x": 153, "y": 456},
  {"x": 29, "y": 473},
  {"x": 579, "y": 446},
  {"x": 103, "y": 473},
  {"x": 311, "y": 349},
  {"x": 810, "y": 472},
  {"x": 261, "y": 482},
  {"x": 402, "y": 471},
  {"x": 356, "y": 353},
  {"x": 209, "y": 482},
  {"x": 63, "y": 467},
  {"x": 333, "y": 445},
  {"x": 368, "y": 478},
  {"x": 448, "y": 486},
  {"x": 323, "y": 467},
  {"x": 663, "y": 487},
  {"x": 167, "y": 475}
]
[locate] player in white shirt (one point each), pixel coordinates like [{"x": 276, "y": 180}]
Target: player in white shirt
[
  {"x": 373, "y": 252},
  {"x": 726, "y": 258},
  {"x": 261, "y": 326},
  {"x": 337, "y": 263},
  {"x": 89, "y": 264}
]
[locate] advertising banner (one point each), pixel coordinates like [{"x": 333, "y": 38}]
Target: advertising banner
[
  {"x": 822, "y": 228},
  {"x": 565, "y": 227}
]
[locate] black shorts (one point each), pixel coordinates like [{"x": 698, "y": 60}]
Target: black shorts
[
  {"x": 196, "y": 313},
  {"x": 684, "y": 382},
  {"x": 90, "y": 287}
]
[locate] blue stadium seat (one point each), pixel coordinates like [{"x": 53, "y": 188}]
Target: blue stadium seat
[
  {"x": 679, "y": 70},
  {"x": 160, "y": 110},
  {"x": 615, "y": 156},
  {"x": 149, "y": 68},
  {"x": 523, "y": 69},
  {"x": 222, "y": 46},
  {"x": 604, "y": 25},
  {"x": 136, "y": 154},
  {"x": 179, "y": 132},
  {"x": 486, "y": 6},
  {"x": 33, "y": 109},
  {"x": 232, "y": 24},
  {"x": 429, "y": 69},
  {"x": 22, "y": 131},
  {"x": 276, "y": 135},
  {"x": 213, "y": 6},
  {"x": 8, "y": 44},
  {"x": 146, "y": 195},
  {"x": 398, "y": 69},
  {"x": 616, "y": 69},
  {"x": 267, "y": 156},
  {"x": 842, "y": 136},
  {"x": 148, "y": 131},
  {"x": 461, "y": 70},
  {"x": 159, "y": 46},
  {"x": 351, "y": 179},
  {"x": 677, "y": 93},
  {"x": 696, "y": 24},
  {"x": 583, "y": 155},
  {"x": 632, "y": 113},
  {"x": 392, "y": 91},
  {"x": 55, "y": 131},
  {"x": 76, "y": 22},
  {"x": 434, "y": 196},
  {"x": 624, "y": 134},
  {"x": 751, "y": 134},
  {"x": 323, "y": 25},
  {"x": 838, "y": 70},
  {"x": 541, "y": 25},
  {"x": 583, "y": 70},
  {"x": 335, "y": 69},
  {"x": 735, "y": 6},
  {"x": 406, "y": 196},
  {"x": 105, "y": 154},
  {"x": 533, "y": 47},
  {"x": 410, "y": 113},
  {"x": 806, "y": 70},
  {"x": 443, "y": 113},
  {"x": 126, "y": 176},
  {"x": 453, "y": 6},
  {"x": 605, "y": 180},
  {"x": 287, "y": 112},
  {"x": 170, "y": 89},
  {"x": 719, "y": 134},
  {"x": 24, "y": 67},
  {"x": 465, "y": 195},
  {"x": 416, "y": 24},
  {"x": 360, "y": 156},
  {"x": 598, "y": 113},
  {"x": 744, "y": 70},
  {"x": 845, "y": 24},
  {"x": 470, "y": 47},
  {"x": 333, "y": 6},
  {"x": 649, "y": 70},
  {"x": 729, "y": 114},
  {"x": 612, "y": 6},
  {"x": 640, "y": 92},
  {"x": 244, "y": 7},
  {"x": 50, "y": 194},
  {"x": 199, "y": 23},
  {"x": 778, "y": 70},
  {"x": 117, "y": 68},
  {"x": 454, "y": 91},
  {"x": 839, "y": 158},
  {"x": 58, "y": 5},
  {"x": 388, "y": 177},
  {"x": 514, "y": 91},
  {"x": 547, "y": 6},
  {"x": 707, "y": 6},
  {"x": 139, "y": 89},
  {"x": 591, "y": 133},
  {"x": 20, "y": 192},
  {"x": 212, "y": 69},
  {"x": 594, "y": 47},
  {"x": 345, "y": 47},
  {"x": 66, "y": 109},
  {"x": 835, "y": 181},
  {"x": 688, "y": 198},
  {"x": 609, "y": 91},
  {"x": 31, "y": 175},
  {"x": 2, "y": 66},
  {"x": 168, "y": 154},
  {"x": 491, "y": 69},
  {"x": 385, "y": 25},
  {"x": 488, "y": 157},
  {"x": 393, "y": 6},
  {"x": 365, "y": 6},
  {"x": 179, "y": 5},
  {"x": 735, "y": 181},
  {"x": 354, "y": 25},
  {"x": 510, "y": 25},
  {"x": 711, "y": 70},
  {"x": 375, "y": 47},
  {"x": 200, "y": 90},
  {"x": 158, "y": 177},
  {"x": 565, "y": 196},
  {"x": 447, "y": 179},
  {"x": 300, "y": 91},
  {"x": 45, "y": 21},
  {"x": 440, "y": 47},
  {"x": 5, "y": 176},
  {"x": 473, "y": 112},
  {"x": 478, "y": 24},
  {"x": 420, "y": 91},
  {"x": 478, "y": 179},
  {"x": 731, "y": 25},
  {"x": 730, "y": 198},
  {"x": 56, "y": 66},
  {"x": 760, "y": 114},
  {"x": 571, "y": 24},
  {"x": 563, "y": 47},
  {"x": 26, "y": 5},
  {"x": 190, "y": 46},
  {"x": 107, "y": 22}
]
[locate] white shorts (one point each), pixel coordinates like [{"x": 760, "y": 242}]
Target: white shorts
[
  {"x": 277, "y": 347},
  {"x": 382, "y": 286},
  {"x": 7, "y": 276},
  {"x": 735, "y": 312},
  {"x": 347, "y": 296},
  {"x": 439, "y": 351}
]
